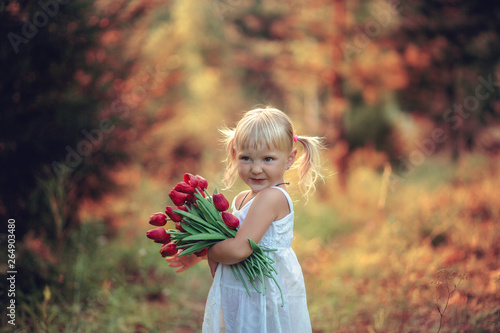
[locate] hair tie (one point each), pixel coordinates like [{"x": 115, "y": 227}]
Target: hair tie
[{"x": 295, "y": 138}]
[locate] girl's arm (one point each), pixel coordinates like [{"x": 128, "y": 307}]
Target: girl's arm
[{"x": 269, "y": 205}]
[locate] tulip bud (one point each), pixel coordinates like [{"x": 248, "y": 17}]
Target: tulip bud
[
  {"x": 179, "y": 227},
  {"x": 191, "y": 198},
  {"x": 230, "y": 220},
  {"x": 169, "y": 210},
  {"x": 159, "y": 235},
  {"x": 184, "y": 188},
  {"x": 202, "y": 182},
  {"x": 178, "y": 198},
  {"x": 168, "y": 250},
  {"x": 220, "y": 202},
  {"x": 191, "y": 180},
  {"x": 158, "y": 219}
]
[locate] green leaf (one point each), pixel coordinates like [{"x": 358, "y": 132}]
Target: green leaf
[
  {"x": 179, "y": 236},
  {"x": 261, "y": 278},
  {"x": 175, "y": 232},
  {"x": 248, "y": 269},
  {"x": 255, "y": 247},
  {"x": 189, "y": 215},
  {"x": 234, "y": 272},
  {"x": 203, "y": 237},
  {"x": 208, "y": 206},
  {"x": 195, "y": 221},
  {"x": 195, "y": 247},
  {"x": 241, "y": 278},
  {"x": 189, "y": 229},
  {"x": 205, "y": 212}
]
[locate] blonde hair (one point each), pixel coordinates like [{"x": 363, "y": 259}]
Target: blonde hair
[{"x": 271, "y": 128}]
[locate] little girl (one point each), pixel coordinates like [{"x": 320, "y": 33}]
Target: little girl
[{"x": 260, "y": 150}]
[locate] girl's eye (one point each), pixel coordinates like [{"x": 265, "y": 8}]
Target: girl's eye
[
  {"x": 268, "y": 159},
  {"x": 244, "y": 158}
]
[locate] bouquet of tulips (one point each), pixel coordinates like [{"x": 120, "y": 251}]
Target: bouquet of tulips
[{"x": 201, "y": 221}]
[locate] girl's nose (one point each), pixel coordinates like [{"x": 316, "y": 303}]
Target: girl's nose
[{"x": 256, "y": 168}]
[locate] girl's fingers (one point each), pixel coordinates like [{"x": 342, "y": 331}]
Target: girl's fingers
[
  {"x": 175, "y": 264},
  {"x": 183, "y": 262},
  {"x": 172, "y": 259}
]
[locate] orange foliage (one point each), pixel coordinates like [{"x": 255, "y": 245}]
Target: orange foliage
[
  {"x": 416, "y": 57},
  {"x": 376, "y": 72}
]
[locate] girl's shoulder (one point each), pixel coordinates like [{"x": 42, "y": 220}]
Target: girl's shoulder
[
  {"x": 274, "y": 194},
  {"x": 275, "y": 200}
]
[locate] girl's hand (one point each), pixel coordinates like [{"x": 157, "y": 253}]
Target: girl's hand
[{"x": 184, "y": 262}]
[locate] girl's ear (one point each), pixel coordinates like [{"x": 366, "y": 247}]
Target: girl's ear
[
  {"x": 233, "y": 153},
  {"x": 291, "y": 158}
]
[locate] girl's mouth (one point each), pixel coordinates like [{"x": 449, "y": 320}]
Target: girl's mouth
[{"x": 256, "y": 180}]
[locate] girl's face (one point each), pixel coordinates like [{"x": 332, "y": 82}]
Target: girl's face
[{"x": 261, "y": 168}]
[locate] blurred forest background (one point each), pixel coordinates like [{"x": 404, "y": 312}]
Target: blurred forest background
[{"x": 106, "y": 104}]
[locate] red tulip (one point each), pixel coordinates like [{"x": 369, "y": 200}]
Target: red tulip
[
  {"x": 179, "y": 227},
  {"x": 184, "y": 187},
  {"x": 178, "y": 198},
  {"x": 191, "y": 198},
  {"x": 220, "y": 202},
  {"x": 182, "y": 208},
  {"x": 202, "y": 183},
  {"x": 158, "y": 219},
  {"x": 168, "y": 250},
  {"x": 159, "y": 235},
  {"x": 169, "y": 210},
  {"x": 191, "y": 180},
  {"x": 230, "y": 220}
]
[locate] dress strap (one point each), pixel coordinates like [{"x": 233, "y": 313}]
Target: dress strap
[{"x": 287, "y": 196}]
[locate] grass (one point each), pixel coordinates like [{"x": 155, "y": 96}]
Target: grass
[{"x": 367, "y": 269}]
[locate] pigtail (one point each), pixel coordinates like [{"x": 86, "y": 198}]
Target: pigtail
[{"x": 309, "y": 164}]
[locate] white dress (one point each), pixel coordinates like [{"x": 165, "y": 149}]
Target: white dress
[{"x": 230, "y": 309}]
